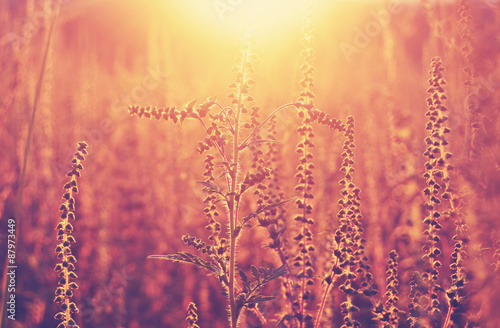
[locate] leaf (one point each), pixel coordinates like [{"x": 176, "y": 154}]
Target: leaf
[
  {"x": 275, "y": 273},
  {"x": 262, "y": 277},
  {"x": 246, "y": 283},
  {"x": 243, "y": 276},
  {"x": 260, "y": 141},
  {"x": 188, "y": 258},
  {"x": 286, "y": 317},
  {"x": 210, "y": 186},
  {"x": 256, "y": 274},
  {"x": 207, "y": 104},
  {"x": 259, "y": 299},
  {"x": 264, "y": 208},
  {"x": 189, "y": 107}
]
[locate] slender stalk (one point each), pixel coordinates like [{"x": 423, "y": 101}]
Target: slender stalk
[
  {"x": 233, "y": 214},
  {"x": 303, "y": 288},
  {"x": 322, "y": 306},
  {"x": 244, "y": 143},
  {"x": 448, "y": 316},
  {"x": 261, "y": 317},
  {"x": 290, "y": 280},
  {"x": 325, "y": 294}
]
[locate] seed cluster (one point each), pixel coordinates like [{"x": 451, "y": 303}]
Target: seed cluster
[
  {"x": 304, "y": 238},
  {"x": 252, "y": 179},
  {"x": 66, "y": 267},
  {"x": 172, "y": 113},
  {"x": 192, "y": 317},
  {"x": 262, "y": 172},
  {"x": 437, "y": 178},
  {"x": 471, "y": 56},
  {"x": 218, "y": 248},
  {"x": 496, "y": 252},
  {"x": 166, "y": 113},
  {"x": 304, "y": 175},
  {"x": 388, "y": 313},
  {"x": 457, "y": 292},
  {"x": 419, "y": 289},
  {"x": 188, "y": 111},
  {"x": 273, "y": 219},
  {"x": 351, "y": 262},
  {"x": 210, "y": 202}
]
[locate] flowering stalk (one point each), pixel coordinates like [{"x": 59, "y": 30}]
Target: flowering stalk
[{"x": 66, "y": 267}]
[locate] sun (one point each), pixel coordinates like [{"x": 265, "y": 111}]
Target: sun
[
  {"x": 234, "y": 17},
  {"x": 265, "y": 15}
]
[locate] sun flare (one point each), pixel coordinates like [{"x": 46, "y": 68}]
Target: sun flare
[{"x": 237, "y": 16}]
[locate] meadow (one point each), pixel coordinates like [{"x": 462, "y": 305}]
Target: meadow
[{"x": 249, "y": 164}]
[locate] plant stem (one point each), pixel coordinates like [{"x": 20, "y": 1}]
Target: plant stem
[
  {"x": 233, "y": 214},
  {"x": 244, "y": 143},
  {"x": 261, "y": 317},
  {"x": 290, "y": 286},
  {"x": 322, "y": 306},
  {"x": 325, "y": 294},
  {"x": 448, "y": 316}
]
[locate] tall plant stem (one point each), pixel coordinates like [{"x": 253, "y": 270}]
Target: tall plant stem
[
  {"x": 257, "y": 129},
  {"x": 448, "y": 316},
  {"x": 233, "y": 213},
  {"x": 322, "y": 306},
  {"x": 330, "y": 281}
]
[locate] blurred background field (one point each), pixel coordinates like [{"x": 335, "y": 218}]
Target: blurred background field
[{"x": 138, "y": 192}]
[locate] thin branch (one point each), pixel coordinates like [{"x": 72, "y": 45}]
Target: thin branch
[{"x": 244, "y": 143}]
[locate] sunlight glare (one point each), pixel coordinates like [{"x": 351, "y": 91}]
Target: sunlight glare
[{"x": 234, "y": 17}]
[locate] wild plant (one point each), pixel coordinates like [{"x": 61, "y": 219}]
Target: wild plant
[
  {"x": 192, "y": 317},
  {"x": 229, "y": 132},
  {"x": 228, "y": 179},
  {"x": 427, "y": 288},
  {"x": 350, "y": 263},
  {"x": 469, "y": 52},
  {"x": 66, "y": 267},
  {"x": 387, "y": 311}
]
